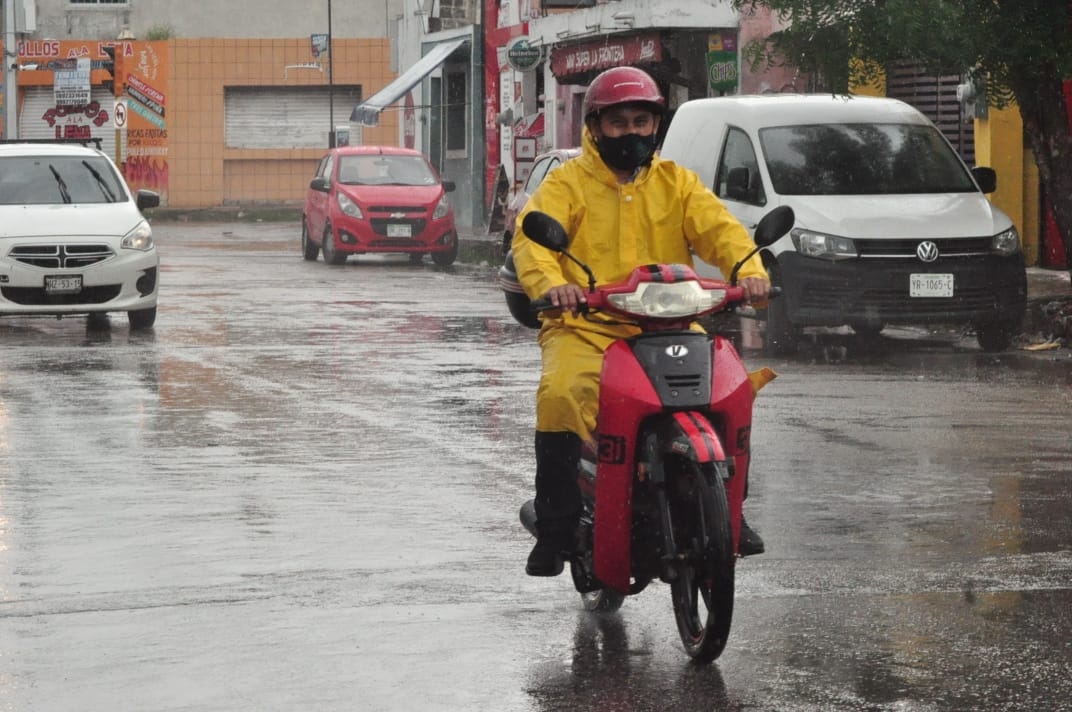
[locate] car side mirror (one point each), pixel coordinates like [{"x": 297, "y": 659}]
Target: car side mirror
[
  {"x": 987, "y": 178},
  {"x": 737, "y": 181},
  {"x": 449, "y": 186},
  {"x": 321, "y": 184},
  {"x": 146, "y": 199}
]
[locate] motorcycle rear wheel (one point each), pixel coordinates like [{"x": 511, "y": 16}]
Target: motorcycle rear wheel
[{"x": 703, "y": 590}]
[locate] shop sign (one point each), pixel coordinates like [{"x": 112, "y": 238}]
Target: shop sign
[
  {"x": 522, "y": 55},
  {"x": 606, "y": 53}
]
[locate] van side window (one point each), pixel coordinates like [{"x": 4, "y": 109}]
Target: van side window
[{"x": 738, "y": 172}]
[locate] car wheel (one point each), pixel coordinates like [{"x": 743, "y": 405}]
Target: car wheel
[
  {"x": 445, "y": 259},
  {"x": 310, "y": 250},
  {"x": 98, "y": 321},
  {"x": 415, "y": 258},
  {"x": 996, "y": 335},
  {"x": 142, "y": 318},
  {"x": 331, "y": 254}
]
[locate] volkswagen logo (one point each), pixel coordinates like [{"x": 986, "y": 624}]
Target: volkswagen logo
[
  {"x": 927, "y": 251},
  {"x": 677, "y": 351}
]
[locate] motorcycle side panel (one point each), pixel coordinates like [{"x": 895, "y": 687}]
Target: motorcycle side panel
[{"x": 626, "y": 397}]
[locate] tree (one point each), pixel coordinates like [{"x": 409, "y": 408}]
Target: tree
[{"x": 1019, "y": 50}]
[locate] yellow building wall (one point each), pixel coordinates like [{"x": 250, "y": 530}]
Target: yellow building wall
[
  {"x": 999, "y": 143},
  {"x": 204, "y": 172}
]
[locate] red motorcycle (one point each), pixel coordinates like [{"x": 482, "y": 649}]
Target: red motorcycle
[{"x": 663, "y": 481}]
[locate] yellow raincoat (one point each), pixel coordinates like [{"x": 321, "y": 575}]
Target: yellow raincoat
[{"x": 613, "y": 228}]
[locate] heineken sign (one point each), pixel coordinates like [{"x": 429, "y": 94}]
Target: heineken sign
[{"x": 522, "y": 55}]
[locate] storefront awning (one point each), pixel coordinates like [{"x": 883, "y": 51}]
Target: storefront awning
[{"x": 368, "y": 111}]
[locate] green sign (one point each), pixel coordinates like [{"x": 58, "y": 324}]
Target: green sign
[
  {"x": 522, "y": 55},
  {"x": 722, "y": 72}
]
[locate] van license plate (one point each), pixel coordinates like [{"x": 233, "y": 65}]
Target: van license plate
[
  {"x": 399, "y": 230},
  {"x": 63, "y": 284},
  {"x": 930, "y": 285}
]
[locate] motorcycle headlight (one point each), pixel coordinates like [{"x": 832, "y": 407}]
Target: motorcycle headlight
[
  {"x": 442, "y": 208},
  {"x": 1005, "y": 243},
  {"x": 140, "y": 238},
  {"x": 827, "y": 247},
  {"x": 670, "y": 301},
  {"x": 348, "y": 206}
]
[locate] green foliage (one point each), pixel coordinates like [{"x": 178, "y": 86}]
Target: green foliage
[
  {"x": 159, "y": 32},
  {"x": 1013, "y": 43}
]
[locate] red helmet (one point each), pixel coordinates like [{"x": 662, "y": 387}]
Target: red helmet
[{"x": 622, "y": 85}]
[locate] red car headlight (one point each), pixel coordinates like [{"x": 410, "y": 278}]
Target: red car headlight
[{"x": 348, "y": 206}]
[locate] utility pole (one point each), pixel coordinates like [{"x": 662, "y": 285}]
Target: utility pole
[
  {"x": 10, "y": 73},
  {"x": 333, "y": 138}
]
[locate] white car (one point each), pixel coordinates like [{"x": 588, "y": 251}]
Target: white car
[{"x": 73, "y": 240}]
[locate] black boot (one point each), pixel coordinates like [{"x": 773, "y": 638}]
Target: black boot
[
  {"x": 751, "y": 543},
  {"x": 558, "y": 502}
]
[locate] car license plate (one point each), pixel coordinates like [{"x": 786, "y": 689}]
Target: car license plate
[
  {"x": 403, "y": 230},
  {"x": 63, "y": 284},
  {"x": 930, "y": 285}
]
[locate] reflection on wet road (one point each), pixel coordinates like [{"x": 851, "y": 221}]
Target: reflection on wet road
[{"x": 300, "y": 492}]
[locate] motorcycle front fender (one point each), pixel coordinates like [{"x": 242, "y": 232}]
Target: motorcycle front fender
[{"x": 684, "y": 433}]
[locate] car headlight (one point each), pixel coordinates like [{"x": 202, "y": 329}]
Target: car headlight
[
  {"x": 1005, "y": 243},
  {"x": 827, "y": 247},
  {"x": 441, "y": 209},
  {"x": 348, "y": 206},
  {"x": 140, "y": 238}
]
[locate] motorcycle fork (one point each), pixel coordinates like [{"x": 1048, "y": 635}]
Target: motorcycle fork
[{"x": 656, "y": 475}]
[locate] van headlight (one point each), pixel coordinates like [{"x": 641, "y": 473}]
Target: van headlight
[
  {"x": 1005, "y": 243},
  {"x": 140, "y": 238},
  {"x": 827, "y": 247},
  {"x": 442, "y": 208},
  {"x": 348, "y": 206}
]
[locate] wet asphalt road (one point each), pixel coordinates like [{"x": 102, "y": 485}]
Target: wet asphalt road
[{"x": 299, "y": 492}]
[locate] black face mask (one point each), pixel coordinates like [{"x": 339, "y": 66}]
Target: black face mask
[{"x": 627, "y": 152}]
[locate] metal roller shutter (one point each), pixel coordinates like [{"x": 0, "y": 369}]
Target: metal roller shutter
[
  {"x": 287, "y": 117},
  {"x": 936, "y": 98},
  {"x": 38, "y": 118}
]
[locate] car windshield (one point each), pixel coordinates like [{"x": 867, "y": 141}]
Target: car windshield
[
  {"x": 49, "y": 180},
  {"x": 862, "y": 159},
  {"x": 385, "y": 170}
]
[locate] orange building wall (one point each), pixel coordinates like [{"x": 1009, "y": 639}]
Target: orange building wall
[{"x": 203, "y": 171}]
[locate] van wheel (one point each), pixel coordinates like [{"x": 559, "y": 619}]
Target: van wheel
[
  {"x": 996, "y": 335},
  {"x": 782, "y": 337}
]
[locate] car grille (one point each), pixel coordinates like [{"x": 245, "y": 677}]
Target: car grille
[
  {"x": 412, "y": 215},
  {"x": 947, "y": 247},
  {"x": 36, "y": 296},
  {"x": 894, "y": 304},
  {"x": 60, "y": 256}
]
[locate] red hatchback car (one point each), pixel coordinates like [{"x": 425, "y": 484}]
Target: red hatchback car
[{"x": 378, "y": 199}]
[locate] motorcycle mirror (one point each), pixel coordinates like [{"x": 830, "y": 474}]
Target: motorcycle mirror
[
  {"x": 545, "y": 231},
  {"x": 770, "y": 229},
  {"x": 774, "y": 225}
]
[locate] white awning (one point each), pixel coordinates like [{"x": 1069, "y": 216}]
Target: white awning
[{"x": 368, "y": 111}]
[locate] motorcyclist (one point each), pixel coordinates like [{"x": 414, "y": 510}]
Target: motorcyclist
[{"x": 623, "y": 206}]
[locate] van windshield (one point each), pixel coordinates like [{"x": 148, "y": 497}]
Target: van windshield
[{"x": 862, "y": 159}]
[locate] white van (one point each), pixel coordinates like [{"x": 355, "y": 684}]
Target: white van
[{"x": 891, "y": 226}]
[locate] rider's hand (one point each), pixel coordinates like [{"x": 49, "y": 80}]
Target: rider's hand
[
  {"x": 568, "y": 297},
  {"x": 756, "y": 289}
]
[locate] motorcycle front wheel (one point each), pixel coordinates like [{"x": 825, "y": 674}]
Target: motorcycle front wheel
[{"x": 702, "y": 591}]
